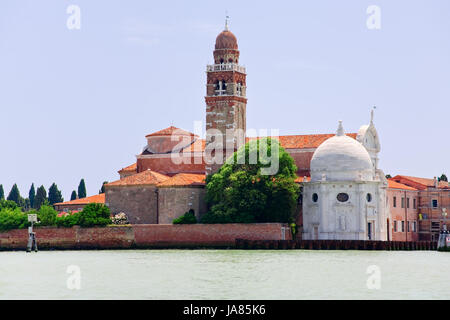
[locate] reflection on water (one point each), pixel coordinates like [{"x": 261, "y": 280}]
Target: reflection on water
[{"x": 224, "y": 274}]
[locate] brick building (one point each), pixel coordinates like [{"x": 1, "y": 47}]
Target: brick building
[
  {"x": 79, "y": 204},
  {"x": 168, "y": 177}
]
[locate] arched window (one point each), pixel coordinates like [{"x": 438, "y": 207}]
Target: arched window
[
  {"x": 369, "y": 197},
  {"x": 315, "y": 197},
  {"x": 220, "y": 87}
]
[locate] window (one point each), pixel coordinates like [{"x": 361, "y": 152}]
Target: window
[
  {"x": 414, "y": 224},
  {"x": 403, "y": 226},
  {"x": 395, "y": 202},
  {"x": 395, "y": 226},
  {"x": 414, "y": 204},
  {"x": 403, "y": 202},
  {"x": 342, "y": 197},
  {"x": 435, "y": 203},
  {"x": 315, "y": 197},
  {"x": 369, "y": 197},
  {"x": 407, "y": 203},
  {"x": 408, "y": 224}
]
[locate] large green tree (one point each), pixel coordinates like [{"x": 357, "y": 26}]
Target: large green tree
[
  {"x": 2, "y": 193},
  {"x": 73, "y": 196},
  {"x": 54, "y": 194},
  {"x": 251, "y": 188},
  {"x": 14, "y": 195},
  {"x": 41, "y": 197},
  {"x": 82, "y": 189},
  {"x": 32, "y": 195}
]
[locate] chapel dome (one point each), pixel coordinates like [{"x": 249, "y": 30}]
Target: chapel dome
[
  {"x": 341, "y": 158},
  {"x": 226, "y": 40}
]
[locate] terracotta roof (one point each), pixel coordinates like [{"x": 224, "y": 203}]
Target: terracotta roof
[
  {"x": 396, "y": 185},
  {"x": 184, "y": 179},
  {"x": 304, "y": 141},
  {"x": 98, "y": 198},
  {"x": 198, "y": 145},
  {"x": 425, "y": 182},
  {"x": 300, "y": 179},
  {"x": 147, "y": 177},
  {"x": 171, "y": 131},
  {"x": 130, "y": 168}
]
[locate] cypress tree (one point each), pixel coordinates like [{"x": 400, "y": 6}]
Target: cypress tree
[
  {"x": 41, "y": 197},
  {"x": 14, "y": 194},
  {"x": 2, "y": 193},
  {"x": 82, "y": 189},
  {"x": 54, "y": 194},
  {"x": 102, "y": 189},
  {"x": 32, "y": 195},
  {"x": 73, "y": 196}
]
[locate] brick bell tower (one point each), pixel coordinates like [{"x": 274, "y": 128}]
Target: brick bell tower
[{"x": 226, "y": 102}]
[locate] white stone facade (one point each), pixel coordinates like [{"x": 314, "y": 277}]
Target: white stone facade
[{"x": 346, "y": 197}]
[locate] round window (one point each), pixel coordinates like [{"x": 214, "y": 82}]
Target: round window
[
  {"x": 369, "y": 197},
  {"x": 315, "y": 197},
  {"x": 342, "y": 197}
]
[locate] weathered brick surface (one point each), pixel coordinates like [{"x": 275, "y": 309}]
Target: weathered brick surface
[
  {"x": 205, "y": 235},
  {"x": 138, "y": 202},
  {"x": 175, "y": 201},
  {"x": 144, "y": 236}
]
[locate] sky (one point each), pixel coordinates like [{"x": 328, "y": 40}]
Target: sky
[{"x": 77, "y": 103}]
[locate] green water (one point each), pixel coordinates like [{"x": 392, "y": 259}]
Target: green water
[{"x": 224, "y": 274}]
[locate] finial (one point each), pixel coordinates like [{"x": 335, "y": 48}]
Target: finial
[
  {"x": 371, "y": 114},
  {"x": 340, "y": 130},
  {"x": 227, "y": 17}
]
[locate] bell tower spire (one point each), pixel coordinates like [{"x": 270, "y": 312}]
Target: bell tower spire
[{"x": 226, "y": 102}]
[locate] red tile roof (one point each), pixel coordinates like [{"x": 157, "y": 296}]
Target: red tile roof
[
  {"x": 425, "y": 182},
  {"x": 147, "y": 177},
  {"x": 300, "y": 179},
  {"x": 98, "y": 198},
  {"x": 170, "y": 131},
  {"x": 396, "y": 185},
  {"x": 184, "y": 179},
  {"x": 130, "y": 168}
]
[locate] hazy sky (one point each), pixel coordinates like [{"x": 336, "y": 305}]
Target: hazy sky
[{"x": 78, "y": 103}]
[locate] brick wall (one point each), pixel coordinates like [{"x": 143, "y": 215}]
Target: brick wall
[
  {"x": 175, "y": 201},
  {"x": 144, "y": 236},
  {"x": 138, "y": 202}
]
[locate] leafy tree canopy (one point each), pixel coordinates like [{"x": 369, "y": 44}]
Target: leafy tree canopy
[
  {"x": 443, "y": 177},
  {"x": 32, "y": 195},
  {"x": 246, "y": 189},
  {"x": 2, "y": 193},
  {"x": 73, "y": 196}
]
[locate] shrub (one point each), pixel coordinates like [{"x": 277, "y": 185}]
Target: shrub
[
  {"x": 8, "y": 204},
  {"x": 47, "y": 216},
  {"x": 68, "y": 220},
  {"x": 94, "y": 214},
  {"x": 12, "y": 219},
  {"x": 187, "y": 218}
]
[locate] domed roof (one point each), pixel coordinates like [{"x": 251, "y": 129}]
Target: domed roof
[
  {"x": 341, "y": 158},
  {"x": 226, "y": 40}
]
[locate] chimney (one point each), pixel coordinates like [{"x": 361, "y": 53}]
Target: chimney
[{"x": 436, "y": 183}]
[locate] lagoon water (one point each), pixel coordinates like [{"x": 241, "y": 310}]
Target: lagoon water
[{"x": 224, "y": 274}]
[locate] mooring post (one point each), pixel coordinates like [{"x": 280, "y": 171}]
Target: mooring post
[{"x": 32, "y": 243}]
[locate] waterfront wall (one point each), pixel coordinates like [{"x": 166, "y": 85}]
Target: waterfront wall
[{"x": 145, "y": 236}]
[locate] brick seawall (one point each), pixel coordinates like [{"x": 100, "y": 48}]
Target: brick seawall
[{"x": 144, "y": 236}]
